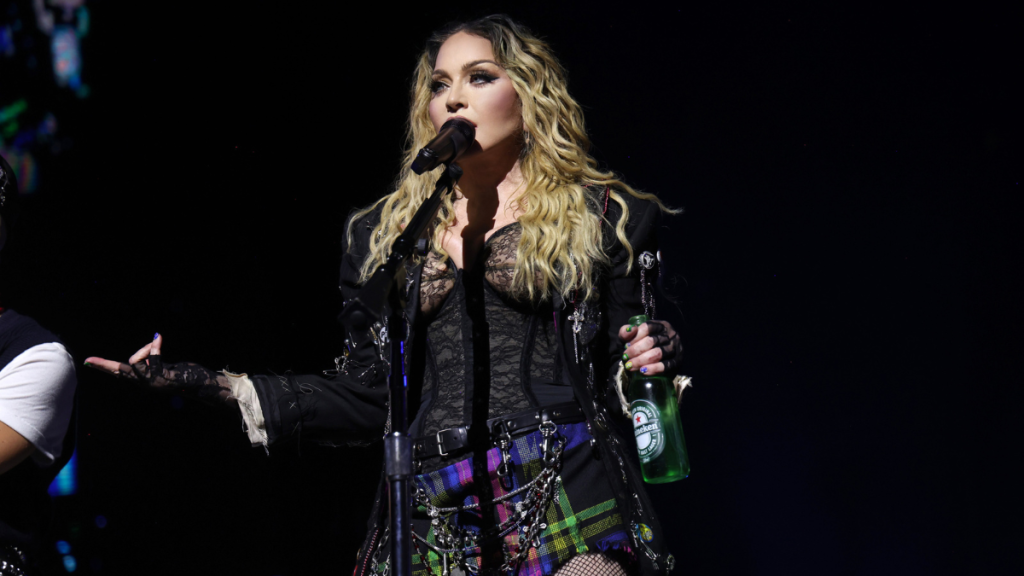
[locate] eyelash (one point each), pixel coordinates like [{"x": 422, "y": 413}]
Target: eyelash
[{"x": 478, "y": 78}]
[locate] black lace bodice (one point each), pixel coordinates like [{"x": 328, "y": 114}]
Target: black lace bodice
[{"x": 482, "y": 343}]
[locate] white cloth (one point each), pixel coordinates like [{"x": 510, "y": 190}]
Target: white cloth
[
  {"x": 244, "y": 393},
  {"x": 680, "y": 383},
  {"x": 37, "y": 391}
]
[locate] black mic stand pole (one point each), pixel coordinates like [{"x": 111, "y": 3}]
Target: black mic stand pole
[{"x": 360, "y": 313}]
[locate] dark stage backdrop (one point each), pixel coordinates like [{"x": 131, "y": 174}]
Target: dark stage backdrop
[{"x": 845, "y": 270}]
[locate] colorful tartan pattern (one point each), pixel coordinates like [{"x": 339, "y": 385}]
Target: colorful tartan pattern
[{"x": 585, "y": 517}]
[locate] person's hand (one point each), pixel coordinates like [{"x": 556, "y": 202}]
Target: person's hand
[
  {"x": 651, "y": 348},
  {"x": 186, "y": 378}
]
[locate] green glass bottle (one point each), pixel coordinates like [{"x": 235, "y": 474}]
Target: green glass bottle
[{"x": 659, "y": 433}]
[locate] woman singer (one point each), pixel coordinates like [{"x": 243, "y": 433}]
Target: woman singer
[{"x": 517, "y": 339}]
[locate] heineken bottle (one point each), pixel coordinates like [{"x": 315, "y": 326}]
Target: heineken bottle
[{"x": 659, "y": 433}]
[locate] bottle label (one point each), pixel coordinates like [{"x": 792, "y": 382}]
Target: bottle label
[{"x": 650, "y": 437}]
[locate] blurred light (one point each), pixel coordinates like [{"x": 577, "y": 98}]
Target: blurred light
[
  {"x": 66, "y": 482},
  {"x": 69, "y": 563},
  {"x": 101, "y": 521},
  {"x": 63, "y": 547}
]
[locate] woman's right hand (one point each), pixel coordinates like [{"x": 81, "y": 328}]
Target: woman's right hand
[{"x": 185, "y": 378}]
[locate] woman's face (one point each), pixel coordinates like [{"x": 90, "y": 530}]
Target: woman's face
[{"x": 467, "y": 82}]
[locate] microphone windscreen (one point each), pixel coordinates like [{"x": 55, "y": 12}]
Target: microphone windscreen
[
  {"x": 454, "y": 137},
  {"x": 463, "y": 126}
]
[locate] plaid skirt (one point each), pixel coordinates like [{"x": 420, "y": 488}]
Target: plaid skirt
[{"x": 580, "y": 514}]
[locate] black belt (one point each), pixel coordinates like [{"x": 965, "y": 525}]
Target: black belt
[{"x": 450, "y": 440}]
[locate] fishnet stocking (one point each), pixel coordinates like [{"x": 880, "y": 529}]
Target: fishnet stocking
[{"x": 598, "y": 564}]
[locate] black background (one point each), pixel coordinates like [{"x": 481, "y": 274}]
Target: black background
[{"x": 845, "y": 270}]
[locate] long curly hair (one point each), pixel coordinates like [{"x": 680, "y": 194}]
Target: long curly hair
[{"x": 561, "y": 208}]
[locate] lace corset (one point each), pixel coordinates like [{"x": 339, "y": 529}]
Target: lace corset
[
  {"x": 499, "y": 259},
  {"x": 481, "y": 343}
]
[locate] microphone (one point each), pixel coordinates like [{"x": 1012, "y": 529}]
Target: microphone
[{"x": 454, "y": 137}]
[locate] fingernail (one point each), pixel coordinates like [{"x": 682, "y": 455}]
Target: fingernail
[
  {"x": 625, "y": 356},
  {"x": 627, "y": 344},
  {"x": 643, "y": 370},
  {"x": 629, "y": 328},
  {"x": 89, "y": 364},
  {"x": 156, "y": 335},
  {"x": 629, "y": 365}
]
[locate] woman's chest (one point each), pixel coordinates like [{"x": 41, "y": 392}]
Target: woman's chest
[
  {"x": 465, "y": 241},
  {"x": 492, "y": 264}
]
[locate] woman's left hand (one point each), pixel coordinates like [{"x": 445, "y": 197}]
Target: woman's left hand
[{"x": 651, "y": 348}]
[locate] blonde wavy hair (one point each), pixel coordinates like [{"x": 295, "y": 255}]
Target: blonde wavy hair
[{"x": 561, "y": 208}]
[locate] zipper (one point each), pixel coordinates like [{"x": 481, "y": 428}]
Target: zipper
[{"x": 369, "y": 551}]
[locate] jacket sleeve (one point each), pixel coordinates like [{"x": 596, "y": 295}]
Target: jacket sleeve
[
  {"x": 623, "y": 290},
  {"x": 350, "y": 407}
]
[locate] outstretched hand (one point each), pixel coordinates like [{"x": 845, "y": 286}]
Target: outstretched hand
[
  {"x": 185, "y": 378},
  {"x": 651, "y": 348}
]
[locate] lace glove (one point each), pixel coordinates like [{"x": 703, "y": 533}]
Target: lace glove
[
  {"x": 185, "y": 378},
  {"x": 652, "y": 348}
]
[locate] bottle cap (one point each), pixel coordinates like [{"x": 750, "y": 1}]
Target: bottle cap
[{"x": 638, "y": 320}]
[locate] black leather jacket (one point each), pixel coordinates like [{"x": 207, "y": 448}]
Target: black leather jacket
[{"x": 351, "y": 408}]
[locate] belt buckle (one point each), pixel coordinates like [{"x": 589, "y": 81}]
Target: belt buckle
[{"x": 438, "y": 436}]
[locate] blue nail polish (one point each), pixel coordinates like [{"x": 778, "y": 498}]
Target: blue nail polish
[
  {"x": 644, "y": 370},
  {"x": 156, "y": 335}
]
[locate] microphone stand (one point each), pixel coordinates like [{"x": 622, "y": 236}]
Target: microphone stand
[{"x": 363, "y": 311}]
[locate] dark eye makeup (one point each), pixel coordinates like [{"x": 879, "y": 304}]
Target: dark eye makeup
[
  {"x": 477, "y": 77},
  {"x": 481, "y": 77}
]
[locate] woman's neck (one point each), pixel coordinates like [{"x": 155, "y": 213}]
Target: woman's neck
[{"x": 488, "y": 185}]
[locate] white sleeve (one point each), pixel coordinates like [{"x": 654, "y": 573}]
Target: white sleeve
[
  {"x": 243, "y": 391},
  {"x": 37, "y": 392}
]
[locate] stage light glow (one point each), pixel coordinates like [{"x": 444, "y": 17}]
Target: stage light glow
[
  {"x": 101, "y": 521},
  {"x": 63, "y": 547},
  {"x": 66, "y": 482},
  {"x": 70, "y": 564}
]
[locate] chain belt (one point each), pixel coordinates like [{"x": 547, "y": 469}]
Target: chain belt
[{"x": 450, "y": 440}]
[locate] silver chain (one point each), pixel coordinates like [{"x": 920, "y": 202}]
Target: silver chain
[
  {"x": 647, "y": 262},
  {"x": 453, "y": 543},
  {"x": 577, "y": 326},
  {"x": 375, "y": 561}
]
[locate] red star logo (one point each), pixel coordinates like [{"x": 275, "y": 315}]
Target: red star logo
[{"x": 637, "y": 419}]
